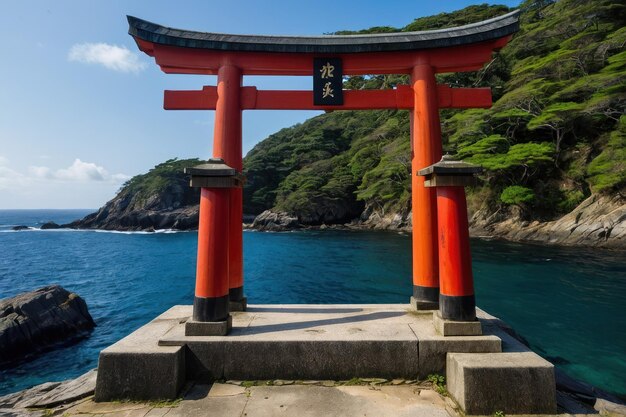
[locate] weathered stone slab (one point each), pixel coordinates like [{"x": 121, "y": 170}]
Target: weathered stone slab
[
  {"x": 293, "y": 342},
  {"x": 226, "y": 390},
  {"x": 66, "y": 392},
  {"x": 89, "y": 408},
  {"x": 306, "y": 342},
  {"x": 136, "y": 367},
  {"x": 9, "y": 412},
  {"x": 208, "y": 328},
  {"x": 433, "y": 347},
  {"x": 402, "y": 401},
  {"x": 148, "y": 375},
  {"x": 456, "y": 328},
  {"x": 307, "y": 400},
  {"x": 422, "y": 306},
  {"x": 12, "y": 400},
  {"x": 512, "y": 382},
  {"x": 322, "y": 360}
]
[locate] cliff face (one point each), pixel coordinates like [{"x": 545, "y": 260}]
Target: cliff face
[
  {"x": 159, "y": 199},
  {"x": 153, "y": 214},
  {"x": 597, "y": 221}
]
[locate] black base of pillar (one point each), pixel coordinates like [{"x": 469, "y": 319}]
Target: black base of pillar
[
  {"x": 426, "y": 298},
  {"x": 457, "y": 308},
  {"x": 236, "y": 294},
  {"x": 210, "y": 308},
  {"x": 237, "y": 301}
]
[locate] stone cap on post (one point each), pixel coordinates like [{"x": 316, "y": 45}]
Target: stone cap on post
[
  {"x": 450, "y": 173},
  {"x": 215, "y": 174}
]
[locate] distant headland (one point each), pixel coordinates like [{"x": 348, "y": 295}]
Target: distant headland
[{"x": 162, "y": 199}]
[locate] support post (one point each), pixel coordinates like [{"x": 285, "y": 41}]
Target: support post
[
  {"x": 228, "y": 146},
  {"x": 426, "y": 150},
  {"x": 456, "y": 299},
  {"x": 211, "y": 307},
  {"x": 210, "y": 303}
]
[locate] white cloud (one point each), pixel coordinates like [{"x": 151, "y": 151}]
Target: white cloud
[
  {"x": 10, "y": 178},
  {"x": 40, "y": 172},
  {"x": 8, "y": 173},
  {"x": 40, "y": 179},
  {"x": 117, "y": 58},
  {"x": 82, "y": 184},
  {"x": 82, "y": 171},
  {"x": 79, "y": 171}
]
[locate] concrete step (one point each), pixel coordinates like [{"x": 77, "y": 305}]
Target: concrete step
[
  {"x": 324, "y": 342},
  {"x": 137, "y": 368},
  {"x": 511, "y": 382},
  {"x": 297, "y": 342}
]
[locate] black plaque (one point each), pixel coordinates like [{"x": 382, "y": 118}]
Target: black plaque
[{"x": 327, "y": 82}]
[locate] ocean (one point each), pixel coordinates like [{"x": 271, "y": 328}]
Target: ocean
[{"x": 567, "y": 302}]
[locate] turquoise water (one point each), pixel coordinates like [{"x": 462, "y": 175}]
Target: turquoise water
[{"x": 568, "y": 303}]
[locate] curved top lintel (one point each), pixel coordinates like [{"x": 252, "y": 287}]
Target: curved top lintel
[{"x": 486, "y": 30}]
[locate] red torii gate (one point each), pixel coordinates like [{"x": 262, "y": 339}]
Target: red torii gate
[{"x": 219, "y": 278}]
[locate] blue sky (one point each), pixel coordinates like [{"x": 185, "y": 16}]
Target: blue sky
[{"x": 81, "y": 107}]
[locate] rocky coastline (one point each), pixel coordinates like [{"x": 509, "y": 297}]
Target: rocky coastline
[
  {"x": 162, "y": 199},
  {"x": 599, "y": 221},
  {"x": 185, "y": 218}
]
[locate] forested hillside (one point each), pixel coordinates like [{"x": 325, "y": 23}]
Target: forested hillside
[
  {"x": 553, "y": 145},
  {"x": 555, "y": 134}
]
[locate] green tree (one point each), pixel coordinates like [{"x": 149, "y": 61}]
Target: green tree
[
  {"x": 517, "y": 195},
  {"x": 559, "y": 118},
  {"x": 607, "y": 171},
  {"x": 555, "y": 128}
]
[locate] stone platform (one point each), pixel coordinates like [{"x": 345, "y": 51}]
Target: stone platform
[{"x": 298, "y": 342}]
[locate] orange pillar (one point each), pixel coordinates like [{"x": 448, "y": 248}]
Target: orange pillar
[
  {"x": 227, "y": 145},
  {"x": 426, "y": 150},
  {"x": 210, "y": 303},
  {"x": 457, "y": 300}
]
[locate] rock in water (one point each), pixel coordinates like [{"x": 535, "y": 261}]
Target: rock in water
[
  {"x": 275, "y": 221},
  {"x": 32, "y": 321},
  {"x": 49, "y": 226}
]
